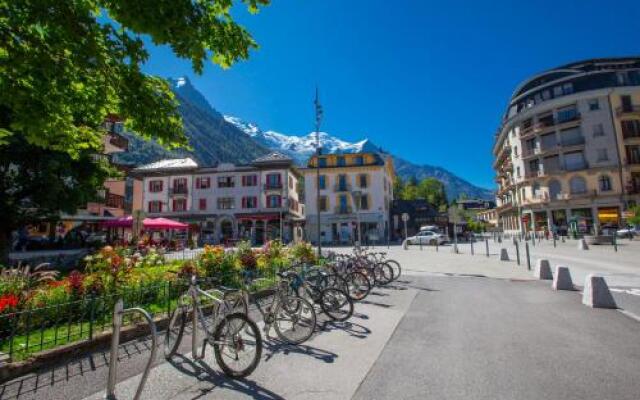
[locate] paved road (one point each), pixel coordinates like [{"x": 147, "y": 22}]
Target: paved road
[{"x": 478, "y": 338}]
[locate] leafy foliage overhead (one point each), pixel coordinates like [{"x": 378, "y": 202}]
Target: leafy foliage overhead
[{"x": 66, "y": 64}]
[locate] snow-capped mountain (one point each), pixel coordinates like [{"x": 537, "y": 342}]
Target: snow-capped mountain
[
  {"x": 300, "y": 148},
  {"x": 217, "y": 138}
]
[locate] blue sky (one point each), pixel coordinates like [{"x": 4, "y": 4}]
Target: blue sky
[{"x": 425, "y": 80}]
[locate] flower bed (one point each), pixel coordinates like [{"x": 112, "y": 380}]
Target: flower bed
[{"x": 41, "y": 310}]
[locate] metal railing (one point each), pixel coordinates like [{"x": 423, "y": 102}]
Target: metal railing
[
  {"x": 35, "y": 329},
  {"x": 118, "y": 313},
  {"x": 342, "y": 187},
  {"x": 627, "y": 110},
  {"x": 573, "y": 141},
  {"x": 178, "y": 191}
]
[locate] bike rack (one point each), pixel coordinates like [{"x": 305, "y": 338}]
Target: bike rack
[{"x": 118, "y": 314}]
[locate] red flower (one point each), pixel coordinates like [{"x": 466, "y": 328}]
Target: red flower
[
  {"x": 8, "y": 301},
  {"x": 76, "y": 282}
]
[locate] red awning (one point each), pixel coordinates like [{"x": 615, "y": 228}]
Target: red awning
[
  {"x": 163, "y": 223},
  {"x": 148, "y": 223},
  {"x": 121, "y": 222}
]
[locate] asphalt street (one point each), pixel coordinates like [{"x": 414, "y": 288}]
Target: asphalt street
[{"x": 479, "y": 338}]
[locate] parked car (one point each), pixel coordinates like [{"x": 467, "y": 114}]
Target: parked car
[
  {"x": 628, "y": 232},
  {"x": 427, "y": 237}
]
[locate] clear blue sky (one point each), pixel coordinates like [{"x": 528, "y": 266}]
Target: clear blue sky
[{"x": 425, "y": 80}]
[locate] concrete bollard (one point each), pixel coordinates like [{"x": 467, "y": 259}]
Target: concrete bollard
[
  {"x": 454, "y": 248},
  {"x": 562, "y": 279},
  {"x": 504, "y": 255},
  {"x": 582, "y": 245},
  {"x": 405, "y": 245},
  {"x": 543, "y": 270},
  {"x": 596, "y": 293}
]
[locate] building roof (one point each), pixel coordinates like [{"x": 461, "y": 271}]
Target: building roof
[
  {"x": 274, "y": 157},
  {"x": 169, "y": 164}
]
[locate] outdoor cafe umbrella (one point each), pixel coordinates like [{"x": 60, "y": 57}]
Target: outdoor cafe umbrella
[
  {"x": 147, "y": 223},
  {"x": 163, "y": 223}
]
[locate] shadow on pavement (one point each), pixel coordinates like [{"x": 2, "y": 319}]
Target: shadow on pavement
[
  {"x": 275, "y": 346},
  {"x": 352, "y": 329},
  {"x": 27, "y": 386},
  {"x": 204, "y": 373}
]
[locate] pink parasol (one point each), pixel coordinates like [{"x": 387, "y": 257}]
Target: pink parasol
[{"x": 163, "y": 223}]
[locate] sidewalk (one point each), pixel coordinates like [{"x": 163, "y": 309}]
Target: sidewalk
[{"x": 331, "y": 365}]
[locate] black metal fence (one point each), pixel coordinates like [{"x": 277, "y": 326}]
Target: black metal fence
[{"x": 31, "y": 330}]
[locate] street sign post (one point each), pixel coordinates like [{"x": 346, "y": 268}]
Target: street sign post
[{"x": 405, "y": 218}]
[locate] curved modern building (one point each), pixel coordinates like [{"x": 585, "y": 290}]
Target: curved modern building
[{"x": 567, "y": 154}]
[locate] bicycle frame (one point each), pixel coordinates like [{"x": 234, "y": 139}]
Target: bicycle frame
[{"x": 194, "y": 292}]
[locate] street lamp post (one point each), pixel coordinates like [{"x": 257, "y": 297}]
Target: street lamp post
[
  {"x": 319, "y": 112},
  {"x": 455, "y": 227},
  {"x": 356, "y": 194},
  {"x": 285, "y": 206}
]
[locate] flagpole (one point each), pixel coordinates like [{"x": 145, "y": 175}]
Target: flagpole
[{"x": 318, "y": 110}]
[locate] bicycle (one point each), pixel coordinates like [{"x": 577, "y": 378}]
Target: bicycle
[
  {"x": 328, "y": 290},
  {"x": 235, "y": 338},
  {"x": 293, "y": 318}
]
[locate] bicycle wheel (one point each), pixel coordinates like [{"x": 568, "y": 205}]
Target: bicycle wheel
[
  {"x": 383, "y": 273},
  {"x": 237, "y": 351},
  {"x": 358, "y": 285},
  {"x": 175, "y": 331},
  {"x": 295, "y": 320},
  {"x": 336, "y": 304},
  {"x": 397, "y": 270}
]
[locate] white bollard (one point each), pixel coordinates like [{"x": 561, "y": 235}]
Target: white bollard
[
  {"x": 562, "y": 279},
  {"x": 405, "y": 244},
  {"x": 504, "y": 255},
  {"x": 543, "y": 270},
  {"x": 596, "y": 293},
  {"x": 582, "y": 245}
]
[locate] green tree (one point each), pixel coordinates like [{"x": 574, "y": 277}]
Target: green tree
[
  {"x": 635, "y": 220},
  {"x": 66, "y": 64},
  {"x": 432, "y": 190},
  {"x": 36, "y": 184}
]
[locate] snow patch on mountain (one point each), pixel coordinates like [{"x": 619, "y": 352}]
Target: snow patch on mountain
[{"x": 300, "y": 147}]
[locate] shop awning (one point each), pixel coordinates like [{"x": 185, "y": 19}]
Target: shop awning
[
  {"x": 258, "y": 217},
  {"x": 163, "y": 223},
  {"x": 147, "y": 223}
]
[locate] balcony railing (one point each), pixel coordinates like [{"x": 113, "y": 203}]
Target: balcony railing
[
  {"x": 632, "y": 161},
  {"x": 343, "y": 210},
  {"x": 272, "y": 186},
  {"x": 342, "y": 187},
  {"x": 573, "y": 141},
  {"x": 620, "y": 111},
  {"x": 626, "y": 134},
  {"x": 178, "y": 191},
  {"x": 577, "y": 166},
  {"x": 569, "y": 117},
  {"x": 542, "y": 125}
]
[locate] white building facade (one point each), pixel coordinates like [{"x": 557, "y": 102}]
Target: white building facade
[
  {"x": 353, "y": 187},
  {"x": 567, "y": 150},
  {"x": 227, "y": 202}
]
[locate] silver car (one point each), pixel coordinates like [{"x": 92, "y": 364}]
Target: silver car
[{"x": 427, "y": 237}]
